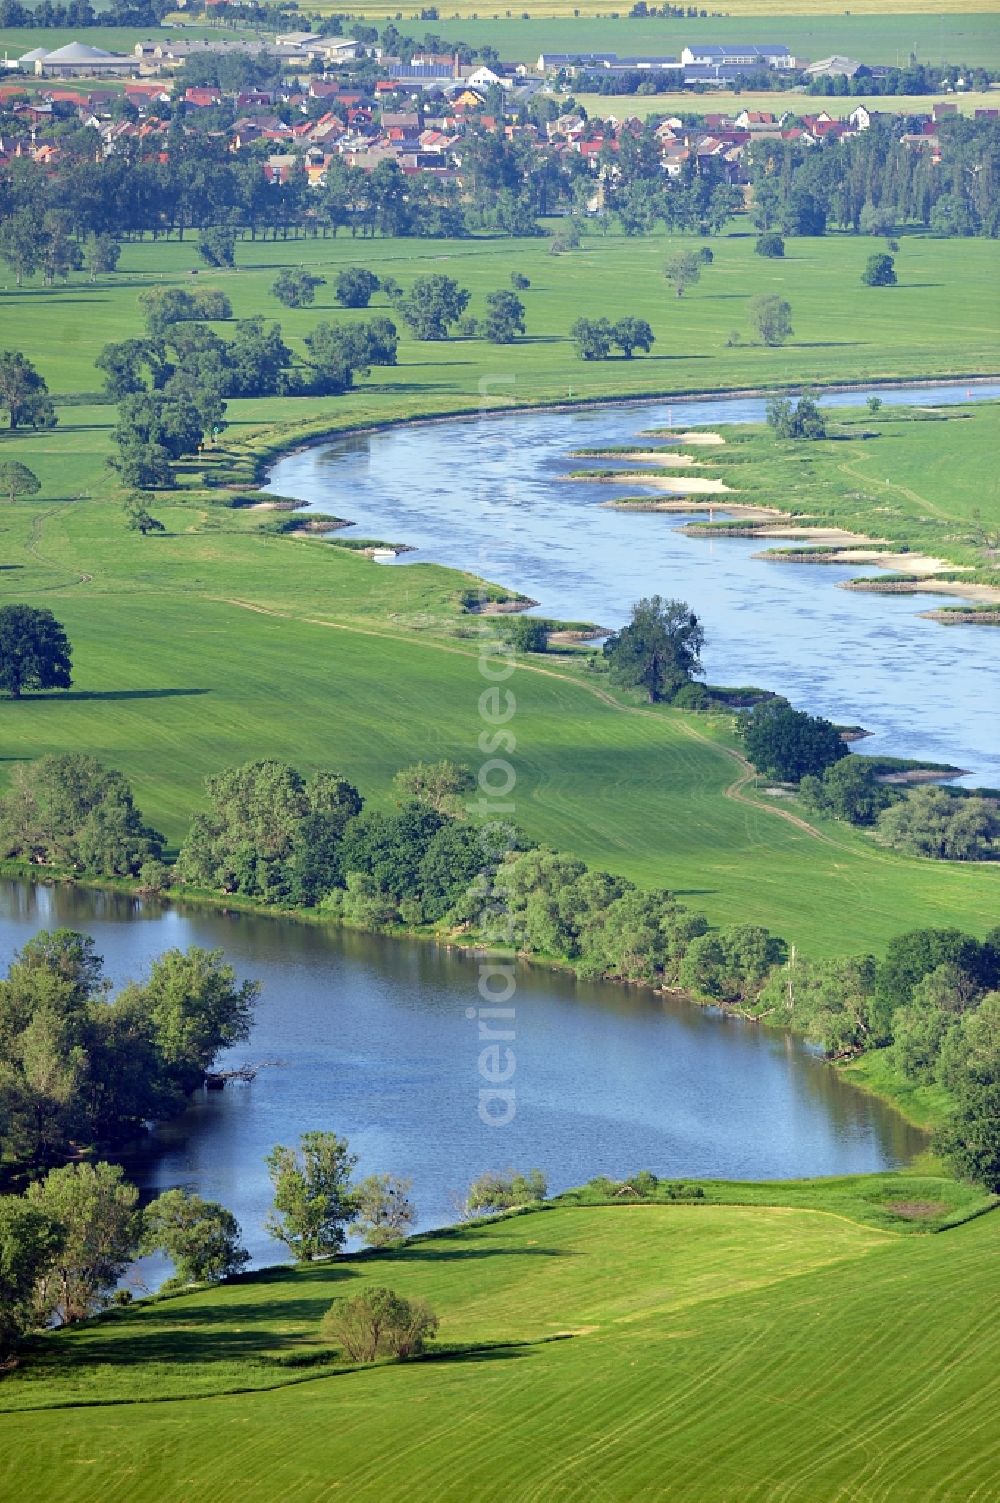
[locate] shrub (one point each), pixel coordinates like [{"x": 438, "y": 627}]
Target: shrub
[
  {"x": 379, "y": 1322},
  {"x": 770, "y": 244}
]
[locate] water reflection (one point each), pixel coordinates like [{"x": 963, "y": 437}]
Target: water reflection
[{"x": 375, "y": 1043}]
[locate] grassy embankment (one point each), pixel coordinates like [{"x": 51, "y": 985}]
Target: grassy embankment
[
  {"x": 214, "y": 643},
  {"x": 803, "y": 1341}
]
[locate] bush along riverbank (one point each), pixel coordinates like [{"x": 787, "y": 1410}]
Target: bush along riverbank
[{"x": 277, "y": 841}]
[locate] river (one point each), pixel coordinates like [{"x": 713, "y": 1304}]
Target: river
[
  {"x": 490, "y": 496},
  {"x": 375, "y": 1042}
]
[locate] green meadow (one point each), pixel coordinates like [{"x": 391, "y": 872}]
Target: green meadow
[{"x": 753, "y": 1351}]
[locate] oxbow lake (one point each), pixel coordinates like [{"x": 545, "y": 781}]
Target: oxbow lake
[
  {"x": 490, "y": 495},
  {"x": 375, "y": 1042}
]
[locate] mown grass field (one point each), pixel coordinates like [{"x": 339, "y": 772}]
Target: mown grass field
[{"x": 751, "y": 1352}]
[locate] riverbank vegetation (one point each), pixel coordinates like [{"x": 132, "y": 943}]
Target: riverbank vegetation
[{"x": 276, "y": 839}]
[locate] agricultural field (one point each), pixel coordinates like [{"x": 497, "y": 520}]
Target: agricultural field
[
  {"x": 964, "y": 31},
  {"x": 792, "y": 101},
  {"x": 750, "y": 1349}
]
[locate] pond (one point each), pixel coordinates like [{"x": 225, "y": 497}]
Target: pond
[
  {"x": 491, "y": 496},
  {"x": 372, "y": 1038}
]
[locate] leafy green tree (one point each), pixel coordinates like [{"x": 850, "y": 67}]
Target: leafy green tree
[
  {"x": 21, "y": 243},
  {"x": 731, "y": 963},
  {"x": 432, "y": 305},
  {"x": 24, "y": 393},
  {"x": 296, "y": 287},
  {"x": 34, "y": 650},
  {"x": 29, "y": 1243},
  {"x": 201, "y": 1238},
  {"x": 378, "y": 1322},
  {"x": 771, "y": 318},
  {"x": 850, "y": 789},
  {"x": 101, "y": 255},
  {"x": 659, "y": 650},
  {"x": 385, "y": 1213},
  {"x": 250, "y": 839},
  {"x": 96, "y": 1208},
  {"x": 526, "y": 633},
  {"x": 804, "y": 420},
  {"x": 217, "y": 246},
  {"x": 389, "y": 848},
  {"x": 788, "y": 744},
  {"x": 17, "y": 480},
  {"x": 948, "y": 827},
  {"x": 769, "y": 244},
  {"x": 195, "y": 1007},
  {"x": 142, "y": 466},
  {"x": 683, "y": 271},
  {"x": 354, "y": 286},
  {"x": 519, "y": 281},
  {"x": 970, "y": 1141},
  {"x": 128, "y": 363},
  {"x": 313, "y": 1199},
  {"x": 593, "y": 337},
  {"x": 631, "y": 334},
  {"x": 138, "y": 518},
  {"x": 257, "y": 357},
  {"x": 442, "y": 785},
  {"x": 504, "y": 317},
  {"x": 880, "y": 271}
]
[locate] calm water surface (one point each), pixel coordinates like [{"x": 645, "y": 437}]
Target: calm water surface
[
  {"x": 490, "y": 496},
  {"x": 376, "y": 1044}
]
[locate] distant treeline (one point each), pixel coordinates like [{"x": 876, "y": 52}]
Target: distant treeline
[{"x": 188, "y": 179}]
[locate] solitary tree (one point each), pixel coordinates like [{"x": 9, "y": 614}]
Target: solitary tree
[
  {"x": 101, "y": 254},
  {"x": 138, "y": 518},
  {"x": 504, "y": 317},
  {"x": 201, "y": 1238},
  {"x": 23, "y": 392},
  {"x": 296, "y": 287},
  {"x": 632, "y": 334},
  {"x": 880, "y": 271},
  {"x": 379, "y": 1322},
  {"x": 217, "y": 246},
  {"x": 770, "y": 318},
  {"x": 659, "y": 650},
  {"x": 804, "y": 420},
  {"x": 313, "y": 1199},
  {"x": 34, "y": 650},
  {"x": 17, "y": 480},
  {"x": 683, "y": 270},
  {"x": 354, "y": 286},
  {"x": 769, "y": 244},
  {"x": 432, "y": 305}
]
